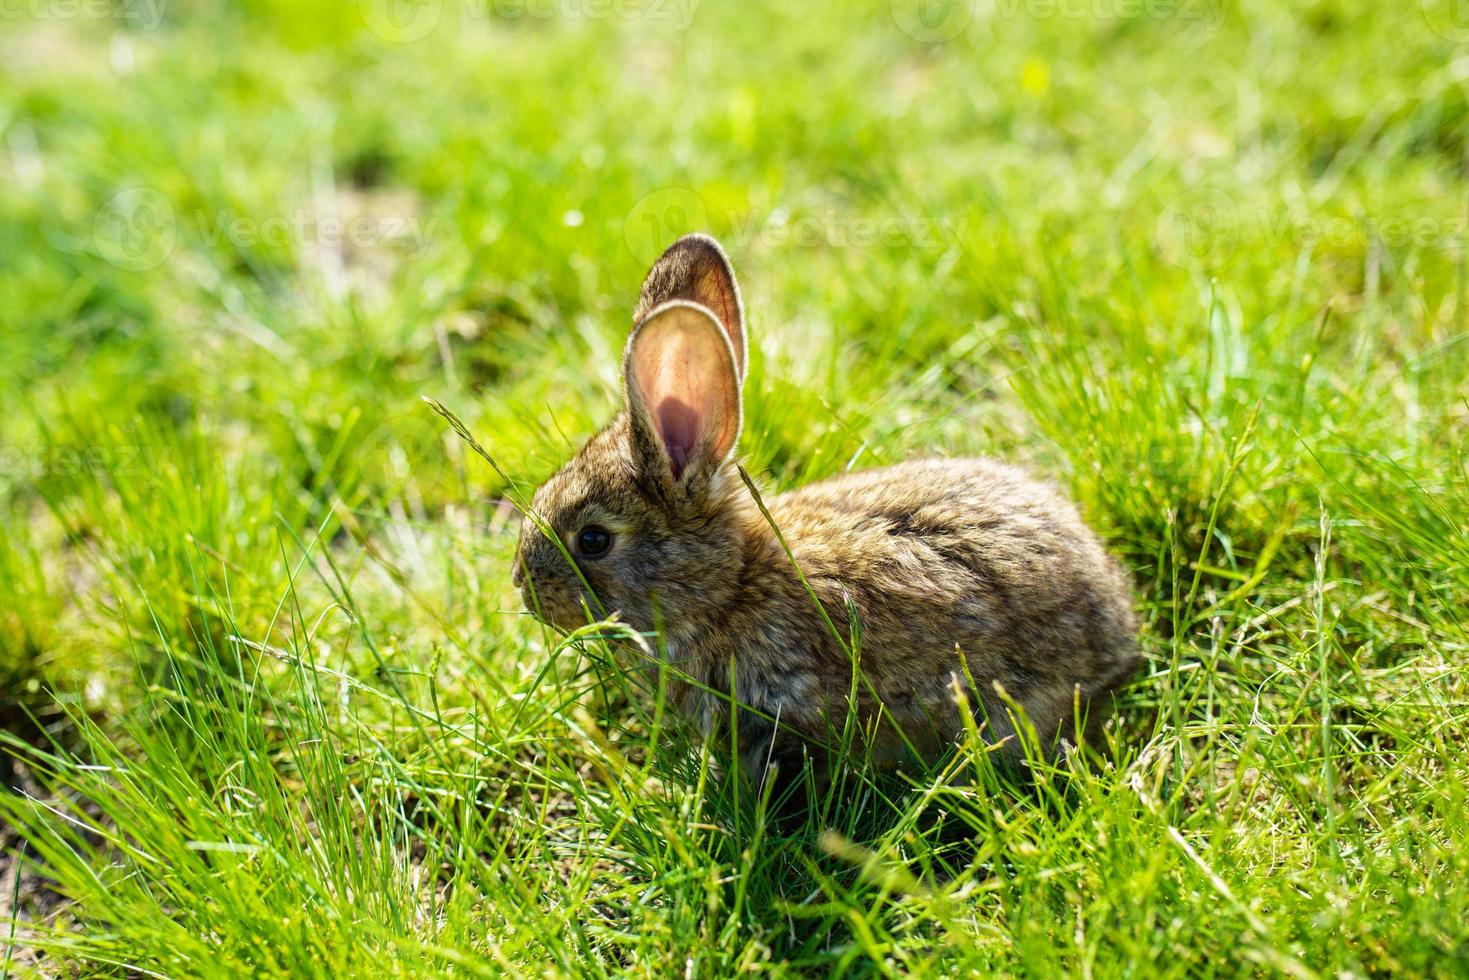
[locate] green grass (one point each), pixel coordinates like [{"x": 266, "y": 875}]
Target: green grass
[{"x": 276, "y": 708}]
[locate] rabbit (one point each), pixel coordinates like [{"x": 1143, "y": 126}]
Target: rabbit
[{"x": 965, "y": 576}]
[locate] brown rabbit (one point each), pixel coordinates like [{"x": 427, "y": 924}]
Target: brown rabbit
[{"x": 960, "y": 573}]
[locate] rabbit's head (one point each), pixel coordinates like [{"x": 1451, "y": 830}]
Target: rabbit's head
[{"x": 648, "y": 519}]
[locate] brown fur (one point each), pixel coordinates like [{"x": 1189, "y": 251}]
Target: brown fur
[{"x": 939, "y": 558}]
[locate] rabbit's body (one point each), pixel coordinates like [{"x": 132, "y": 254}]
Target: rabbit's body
[
  {"x": 938, "y": 558},
  {"x": 939, "y": 582}
]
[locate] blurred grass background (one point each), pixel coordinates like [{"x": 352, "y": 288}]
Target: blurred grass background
[{"x": 1201, "y": 262}]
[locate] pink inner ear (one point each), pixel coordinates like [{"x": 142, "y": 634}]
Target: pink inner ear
[
  {"x": 717, "y": 293},
  {"x": 680, "y": 371},
  {"x": 679, "y": 425}
]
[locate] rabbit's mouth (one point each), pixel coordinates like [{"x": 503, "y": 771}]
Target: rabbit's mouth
[{"x": 550, "y": 603}]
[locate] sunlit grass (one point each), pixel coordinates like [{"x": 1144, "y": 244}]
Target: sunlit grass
[{"x": 271, "y": 704}]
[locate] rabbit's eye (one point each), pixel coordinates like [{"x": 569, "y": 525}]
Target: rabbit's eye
[{"x": 593, "y": 541}]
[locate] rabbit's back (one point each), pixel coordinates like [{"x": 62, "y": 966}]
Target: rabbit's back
[{"x": 966, "y": 555}]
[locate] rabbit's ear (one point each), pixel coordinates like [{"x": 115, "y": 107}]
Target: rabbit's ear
[
  {"x": 695, "y": 268},
  {"x": 683, "y": 394}
]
